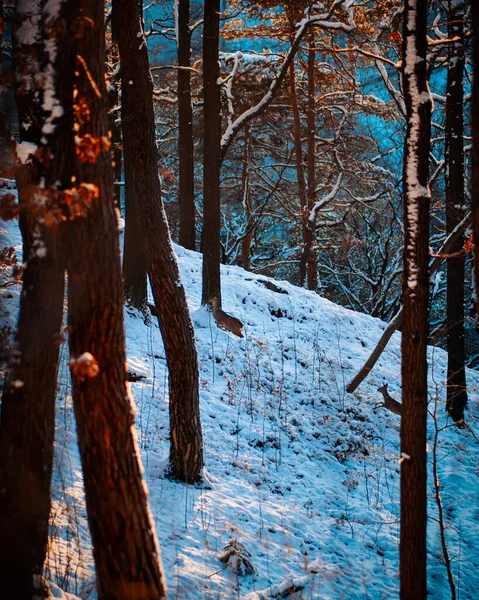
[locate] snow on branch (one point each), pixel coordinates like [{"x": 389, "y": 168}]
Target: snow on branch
[
  {"x": 326, "y": 200},
  {"x": 323, "y": 21}
]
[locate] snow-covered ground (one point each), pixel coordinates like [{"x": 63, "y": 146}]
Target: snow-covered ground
[{"x": 302, "y": 477}]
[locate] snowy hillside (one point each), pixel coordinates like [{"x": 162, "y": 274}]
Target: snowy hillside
[{"x": 302, "y": 478}]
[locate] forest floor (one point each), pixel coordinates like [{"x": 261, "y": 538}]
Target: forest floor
[{"x": 301, "y": 480}]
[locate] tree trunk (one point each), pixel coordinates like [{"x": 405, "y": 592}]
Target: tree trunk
[
  {"x": 455, "y": 211},
  {"x": 298, "y": 152},
  {"x": 125, "y": 547},
  {"x": 211, "y": 245},
  {"x": 475, "y": 143},
  {"x": 309, "y": 246},
  {"x": 28, "y": 401},
  {"x": 185, "y": 130},
  {"x": 247, "y": 203},
  {"x": 134, "y": 260},
  {"x": 186, "y": 450},
  {"x": 415, "y": 317}
]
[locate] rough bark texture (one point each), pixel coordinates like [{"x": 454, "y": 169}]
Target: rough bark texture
[
  {"x": 134, "y": 259},
  {"x": 455, "y": 211},
  {"x": 28, "y": 401},
  {"x": 300, "y": 176},
  {"x": 309, "y": 246},
  {"x": 475, "y": 143},
  {"x": 185, "y": 130},
  {"x": 247, "y": 203},
  {"x": 125, "y": 547},
  {"x": 211, "y": 245},
  {"x": 186, "y": 451},
  {"x": 415, "y": 317}
]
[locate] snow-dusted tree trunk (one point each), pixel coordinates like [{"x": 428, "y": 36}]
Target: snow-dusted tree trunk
[
  {"x": 415, "y": 315},
  {"x": 211, "y": 245},
  {"x": 28, "y": 401},
  {"x": 455, "y": 212},
  {"x": 138, "y": 124},
  {"x": 125, "y": 546},
  {"x": 186, "y": 197}
]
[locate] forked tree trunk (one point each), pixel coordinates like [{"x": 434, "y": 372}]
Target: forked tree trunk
[
  {"x": 455, "y": 211},
  {"x": 186, "y": 449},
  {"x": 28, "y": 401},
  {"x": 125, "y": 547},
  {"x": 185, "y": 130},
  {"x": 211, "y": 244},
  {"x": 415, "y": 317}
]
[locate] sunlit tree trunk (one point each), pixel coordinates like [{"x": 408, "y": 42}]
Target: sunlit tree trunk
[
  {"x": 186, "y": 449},
  {"x": 211, "y": 245},
  {"x": 28, "y": 401},
  {"x": 124, "y": 542},
  {"x": 455, "y": 212},
  {"x": 415, "y": 316}
]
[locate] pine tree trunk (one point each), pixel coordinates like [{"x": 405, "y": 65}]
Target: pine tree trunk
[
  {"x": 455, "y": 212},
  {"x": 125, "y": 547},
  {"x": 309, "y": 246},
  {"x": 185, "y": 130},
  {"x": 186, "y": 450},
  {"x": 298, "y": 152},
  {"x": 415, "y": 316},
  {"x": 28, "y": 400},
  {"x": 211, "y": 245}
]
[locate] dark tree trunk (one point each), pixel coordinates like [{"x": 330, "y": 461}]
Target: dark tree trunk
[
  {"x": 186, "y": 450},
  {"x": 455, "y": 212},
  {"x": 475, "y": 144},
  {"x": 309, "y": 246},
  {"x": 185, "y": 130},
  {"x": 415, "y": 316},
  {"x": 298, "y": 152},
  {"x": 28, "y": 401},
  {"x": 134, "y": 258},
  {"x": 211, "y": 244},
  {"x": 247, "y": 203},
  {"x": 125, "y": 547}
]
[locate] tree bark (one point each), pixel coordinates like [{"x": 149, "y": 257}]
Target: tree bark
[
  {"x": 186, "y": 449},
  {"x": 211, "y": 244},
  {"x": 185, "y": 130},
  {"x": 125, "y": 547},
  {"x": 28, "y": 401},
  {"x": 309, "y": 246},
  {"x": 455, "y": 211},
  {"x": 415, "y": 316},
  {"x": 247, "y": 203},
  {"x": 298, "y": 152},
  {"x": 475, "y": 143}
]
